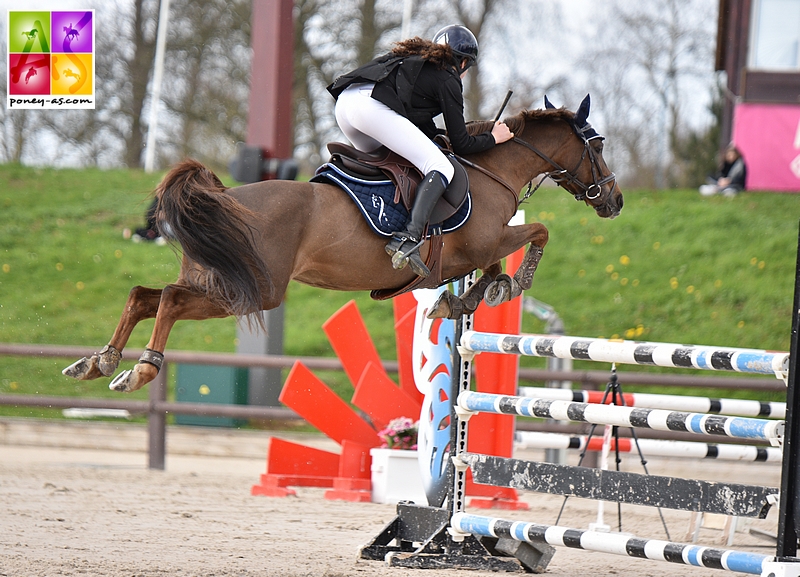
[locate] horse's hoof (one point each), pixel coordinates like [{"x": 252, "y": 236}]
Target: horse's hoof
[
  {"x": 79, "y": 369},
  {"x": 108, "y": 360},
  {"x": 441, "y": 308},
  {"x": 122, "y": 382},
  {"x": 447, "y": 306}
]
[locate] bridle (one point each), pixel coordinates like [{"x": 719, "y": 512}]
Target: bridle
[{"x": 562, "y": 177}]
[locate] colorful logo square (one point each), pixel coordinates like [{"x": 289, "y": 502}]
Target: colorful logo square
[
  {"x": 71, "y": 74},
  {"x": 29, "y": 73},
  {"x": 29, "y": 32},
  {"x": 51, "y": 59},
  {"x": 71, "y": 31}
]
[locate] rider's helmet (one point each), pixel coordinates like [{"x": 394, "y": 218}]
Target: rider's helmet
[{"x": 461, "y": 41}]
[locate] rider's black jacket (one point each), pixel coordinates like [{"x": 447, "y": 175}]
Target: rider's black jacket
[{"x": 420, "y": 91}]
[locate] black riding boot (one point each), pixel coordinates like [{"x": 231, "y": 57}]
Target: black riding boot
[{"x": 404, "y": 246}]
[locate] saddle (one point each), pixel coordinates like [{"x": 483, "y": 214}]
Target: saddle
[{"x": 384, "y": 163}]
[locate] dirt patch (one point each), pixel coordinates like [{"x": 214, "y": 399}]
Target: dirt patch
[{"x": 70, "y": 511}]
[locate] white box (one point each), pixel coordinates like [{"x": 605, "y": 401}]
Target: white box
[{"x": 396, "y": 477}]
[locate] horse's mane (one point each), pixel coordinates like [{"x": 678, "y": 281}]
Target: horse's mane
[{"x": 516, "y": 123}]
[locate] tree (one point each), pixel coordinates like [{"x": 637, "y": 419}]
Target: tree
[
  {"x": 207, "y": 80},
  {"x": 658, "y": 53}
]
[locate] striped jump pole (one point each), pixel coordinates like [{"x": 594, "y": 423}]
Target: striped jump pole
[
  {"x": 656, "y": 419},
  {"x": 631, "y": 352},
  {"x": 742, "y": 407},
  {"x": 618, "y": 544},
  {"x": 651, "y": 447}
]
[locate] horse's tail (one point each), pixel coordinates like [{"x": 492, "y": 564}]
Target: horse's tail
[{"x": 213, "y": 230}]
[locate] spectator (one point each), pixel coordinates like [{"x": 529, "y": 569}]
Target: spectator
[
  {"x": 150, "y": 231},
  {"x": 730, "y": 177}
]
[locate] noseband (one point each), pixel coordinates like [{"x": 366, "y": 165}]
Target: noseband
[{"x": 562, "y": 177}]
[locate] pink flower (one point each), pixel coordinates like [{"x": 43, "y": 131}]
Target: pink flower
[{"x": 400, "y": 433}]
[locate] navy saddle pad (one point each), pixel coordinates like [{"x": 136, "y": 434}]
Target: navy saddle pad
[{"x": 375, "y": 200}]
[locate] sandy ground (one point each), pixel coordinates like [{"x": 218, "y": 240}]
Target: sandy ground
[{"x": 77, "y": 499}]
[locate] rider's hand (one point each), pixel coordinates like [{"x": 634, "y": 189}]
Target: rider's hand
[{"x": 501, "y": 132}]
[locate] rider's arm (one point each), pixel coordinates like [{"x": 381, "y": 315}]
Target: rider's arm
[{"x": 452, "y": 103}]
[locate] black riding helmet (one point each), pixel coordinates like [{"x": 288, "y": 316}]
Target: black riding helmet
[{"x": 461, "y": 41}]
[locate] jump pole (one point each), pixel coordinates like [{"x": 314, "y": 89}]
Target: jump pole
[
  {"x": 617, "y": 544},
  {"x": 629, "y": 352},
  {"x": 470, "y": 402},
  {"x": 651, "y": 447},
  {"x": 742, "y": 407}
]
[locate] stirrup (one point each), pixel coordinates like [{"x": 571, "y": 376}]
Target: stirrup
[
  {"x": 395, "y": 244},
  {"x": 412, "y": 258}
]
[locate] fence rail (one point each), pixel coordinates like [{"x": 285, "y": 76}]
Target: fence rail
[{"x": 157, "y": 407}]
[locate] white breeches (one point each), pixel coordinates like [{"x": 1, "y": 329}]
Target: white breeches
[{"x": 368, "y": 124}]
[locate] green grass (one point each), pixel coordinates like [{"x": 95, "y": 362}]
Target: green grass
[{"x": 674, "y": 267}]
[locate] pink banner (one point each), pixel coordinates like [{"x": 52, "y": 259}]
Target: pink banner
[{"x": 768, "y": 135}]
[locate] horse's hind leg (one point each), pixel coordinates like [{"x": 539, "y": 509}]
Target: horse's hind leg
[
  {"x": 142, "y": 304},
  {"x": 177, "y": 303}
]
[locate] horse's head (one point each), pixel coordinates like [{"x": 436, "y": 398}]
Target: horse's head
[{"x": 578, "y": 165}]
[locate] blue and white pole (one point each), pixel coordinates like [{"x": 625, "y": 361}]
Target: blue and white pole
[
  {"x": 614, "y": 543},
  {"x": 657, "y": 419},
  {"x": 631, "y": 352}
]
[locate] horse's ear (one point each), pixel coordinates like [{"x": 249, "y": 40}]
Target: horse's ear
[
  {"x": 583, "y": 112},
  {"x": 547, "y": 103}
]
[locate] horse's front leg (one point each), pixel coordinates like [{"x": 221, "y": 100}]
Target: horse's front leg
[
  {"x": 450, "y": 306},
  {"x": 497, "y": 287},
  {"x": 142, "y": 304},
  {"x": 506, "y": 288},
  {"x": 177, "y": 303}
]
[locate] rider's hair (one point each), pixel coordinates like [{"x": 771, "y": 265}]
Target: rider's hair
[{"x": 439, "y": 54}]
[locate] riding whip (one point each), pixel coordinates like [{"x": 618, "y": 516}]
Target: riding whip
[{"x": 503, "y": 106}]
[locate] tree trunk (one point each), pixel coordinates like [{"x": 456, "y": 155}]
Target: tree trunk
[{"x": 139, "y": 70}]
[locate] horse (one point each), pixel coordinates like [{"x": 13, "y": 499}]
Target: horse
[
  {"x": 241, "y": 246},
  {"x": 70, "y": 33}
]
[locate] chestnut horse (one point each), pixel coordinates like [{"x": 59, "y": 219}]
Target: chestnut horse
[{"x": 241, "y": 246}]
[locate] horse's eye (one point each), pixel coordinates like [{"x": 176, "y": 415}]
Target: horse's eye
[{"x": 599, "y": 147}]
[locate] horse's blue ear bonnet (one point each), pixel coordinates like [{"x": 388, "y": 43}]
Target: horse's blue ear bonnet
[{"x": 581, "y": 127}]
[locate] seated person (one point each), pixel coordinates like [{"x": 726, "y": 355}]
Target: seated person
[{"x": 730, "y": 177}]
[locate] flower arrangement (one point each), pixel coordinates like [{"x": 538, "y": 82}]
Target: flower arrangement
[{"x": 400, "y": 433}]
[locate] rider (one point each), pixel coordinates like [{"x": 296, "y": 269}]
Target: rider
[{"x": 392, "y": 100}]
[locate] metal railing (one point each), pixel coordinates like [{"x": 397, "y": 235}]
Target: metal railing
[{"x": 156, "y": 408}]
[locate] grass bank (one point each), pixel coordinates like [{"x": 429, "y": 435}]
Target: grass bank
[{"x": 674, "y": 267}]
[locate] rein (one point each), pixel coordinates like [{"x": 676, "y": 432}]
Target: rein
[
  {"x": 563, "y": 176},
  {"x": 490, "y": 174}
]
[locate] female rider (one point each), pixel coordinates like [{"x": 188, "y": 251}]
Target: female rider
[{"x": 392, "y": 100}]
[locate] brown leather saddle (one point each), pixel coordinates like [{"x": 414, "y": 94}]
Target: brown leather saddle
[{"x": 405, "y": 176}]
